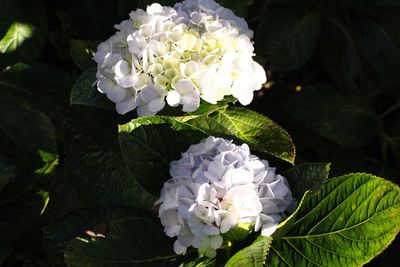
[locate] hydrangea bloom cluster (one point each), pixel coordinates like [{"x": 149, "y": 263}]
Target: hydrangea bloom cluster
[
  {"x": 216, "y": 186},
  {"x": 195, "y": 50}
]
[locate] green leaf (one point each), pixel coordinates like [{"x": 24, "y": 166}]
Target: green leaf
[
  {"x": 333, "y": 116},
  {"x": 253, "y": 255},
  {"x": 348, "y": 222},
  {"x": 15, "y": 36},
  {"x": 98, "y": 173},
  {"x": 23, "y": 31},
  {"x": 288, "y": 36},
  {"x": 287, "y": 224},
  {"x": 84, "y": 92},
  {"x": 22, "y": 200},
  {"x": 201, "y": 262},
  {"x": 82, "y": 52},
  {"x": 377, "y": 47},
  {"x": 46, "y": 84},
  {"x": 57, "y": 236},
  {"x": 149, "y": 148},
  {"x": 239, "y": 233},
  {"x": 176, "y": 123},
  {"x": 7, "y": 171},
  {"x": 206, "y": 108},
  {"x": 63, "y": 198},
  {"x": 341, "y": 58},
  {"x": 16, "y": 116},
  {"x": 306, "y": 176},
  {"x": 304, "y": 180},
  {"x": 18, "y": 213},
  {"x": 124, "y": 245},
  {"x": 211, "y": 127},
  {"x": 258, "y": 131}
]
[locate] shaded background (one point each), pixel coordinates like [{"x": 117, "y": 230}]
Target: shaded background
[{"x": 334, "y": 83}]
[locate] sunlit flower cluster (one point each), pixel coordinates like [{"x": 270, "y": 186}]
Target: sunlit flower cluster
[
  {"x": 195, "y": 50},
  {"x": 216, "y": 186}
]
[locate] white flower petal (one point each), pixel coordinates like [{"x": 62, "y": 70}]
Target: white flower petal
[
  {"x": 105, "y": 85},
  {"x": 126, "y": 105},
  {"x": 116, "y": 94},
  {"x": 268, "y": 229},
  {"x": 179, "y": 248},
  {"x": 216, "y": 241},
  {"x": 121, "y": 68},
  {"x": 127, "y": 81},
  {"x": 156, "y": 105},
  {"x": 173, "y": 98},
  {"x": 144, "y": 111},
  {"x": 154, "y": 9}
]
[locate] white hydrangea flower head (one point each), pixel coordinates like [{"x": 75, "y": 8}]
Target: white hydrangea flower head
[
  {"x": 194, "y": 50},
  {"x": 215, "y": 186}
]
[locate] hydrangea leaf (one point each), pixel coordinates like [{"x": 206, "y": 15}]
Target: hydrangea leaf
[
  {"x": 58, "y": 235},
  {"x": 376, "y": 47},
  {"x": 349, "y": 221},
  {"x": 149, "y": 144},
  {"x": 210, "y": 126},
  {"x": 98, "y": 173},
  {"x": 176, "y": 123},
  {"x": 82, "y": 52},
  {"x": 201, "y": 262},
  {"x": 22, "y": 201},
  {"x": 124, "y": 245},
  {"x": 239, "y": 233},
  {"x": 306, "y": 176},
  {"x": 339, "y": 119},
  {"x": 288, "y": 35},
  {"x": 240, "y": 124},
  {"x": 23, "y": 31},
  {"x": 7, "y": 171},
  {"x": 304, "y": 180},
  {"x": 29, "y": 163},
  {"x": 253, "y": 255},
  {"x": 18, "y": 212},
  {"x": 84, "y": 92},
  {"x": 258, "y": 131},
  {"x": 15, "y": 36},
  {"x": 16, "y": 116},
  {"x": 341, "y": 58},
  {"x": 206, "y": 108},
  {"x": 40, "y": 83}
]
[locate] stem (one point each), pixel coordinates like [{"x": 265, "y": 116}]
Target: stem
[{"x": 389, "y": 110}]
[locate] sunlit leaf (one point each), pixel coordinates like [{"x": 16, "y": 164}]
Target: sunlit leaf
[{"x": 349, "y": 221}]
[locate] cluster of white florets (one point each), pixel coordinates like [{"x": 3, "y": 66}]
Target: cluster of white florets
[
  {"x": 195, "y": 50},
  {"x": 216, "y": 186}
]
